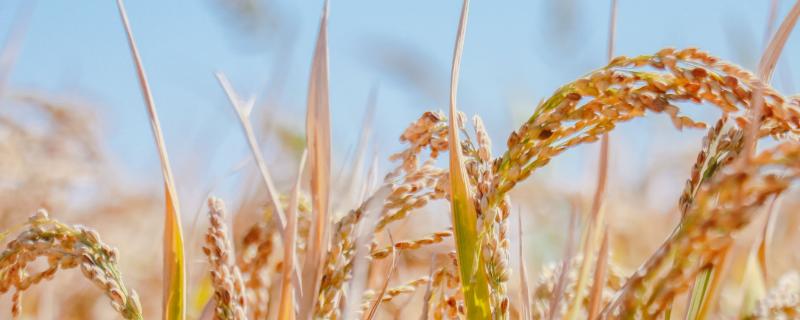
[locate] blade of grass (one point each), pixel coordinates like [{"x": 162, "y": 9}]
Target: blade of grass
[
  {"x": 721, "y": 268},
  {"x": 243, "y": 114},
  {"x": 525, "y": 295},
  {"x": 318, "y": 137},
  {"x": 698, "y": 292},
  {"x": 766, "y": 68},
  {"x": 474, "y": 284},
  {"x": 287, "y": 294},
  {"x": 356, "y": 177},
  {"x": 174, "y": 298},
  {"x": 766, "y": 235},
  {"x": 753, "y": 286},
  {"x": 379, "y": 297},
  {"x": 597, "y": 201}
]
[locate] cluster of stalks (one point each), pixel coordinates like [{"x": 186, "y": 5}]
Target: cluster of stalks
[
  {"x": 316, "y": 270},
  {"x": 721, "y": 196}
]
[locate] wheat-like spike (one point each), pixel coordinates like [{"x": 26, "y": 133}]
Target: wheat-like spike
[
  {"x": 229, "y": 290},
  {"x": 417, "y": 186},
  {"x": 721, "y": 146},
  {"x": 64, "y": 247},
  {"x": 493, "y": 222},
  {"x": 624, "y": 90},
  {"x": 431, "y": 239},
  {"x": 409, "y": 287},
  {"x": 338, "y": 263},
  {"x": 723, "y": 206}
]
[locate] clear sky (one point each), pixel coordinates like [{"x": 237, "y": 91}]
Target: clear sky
[{"x": 516, "y": 53}]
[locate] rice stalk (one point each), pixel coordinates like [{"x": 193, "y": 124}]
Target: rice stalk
[{"x": 599, "y": 278}]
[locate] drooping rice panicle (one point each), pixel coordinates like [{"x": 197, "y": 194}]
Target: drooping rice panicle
[
  {"x": 434, "y": 238},
  {"x": 64, "y": 247},
  {"x": 583, "y": 110}
]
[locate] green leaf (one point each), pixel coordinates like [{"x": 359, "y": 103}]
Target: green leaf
[{"x": 473, "y": 278}]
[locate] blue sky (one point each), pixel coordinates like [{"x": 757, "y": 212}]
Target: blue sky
[{"x": 516, "y": 53}]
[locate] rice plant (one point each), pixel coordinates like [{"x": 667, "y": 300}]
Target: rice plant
[{"x": 348, "y": 245}]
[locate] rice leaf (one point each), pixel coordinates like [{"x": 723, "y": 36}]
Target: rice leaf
[
  {"x": 474, "y": 284},
  {"x": 287, "y": 294},
  {"x": 174, "y": 298},
  {"x": 318, "y": 135},
  {"x": 766, "y": 236},
  {"x": 766, "y": 66},
  {"x": 721, "y": 268},
  {"x": 243, "y": 114},
  {"x": 753, "y": 286},
  {"x": 698, "y": 293}
]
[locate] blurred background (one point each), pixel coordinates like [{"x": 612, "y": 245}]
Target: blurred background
[{"x": 76, "y": 139}]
